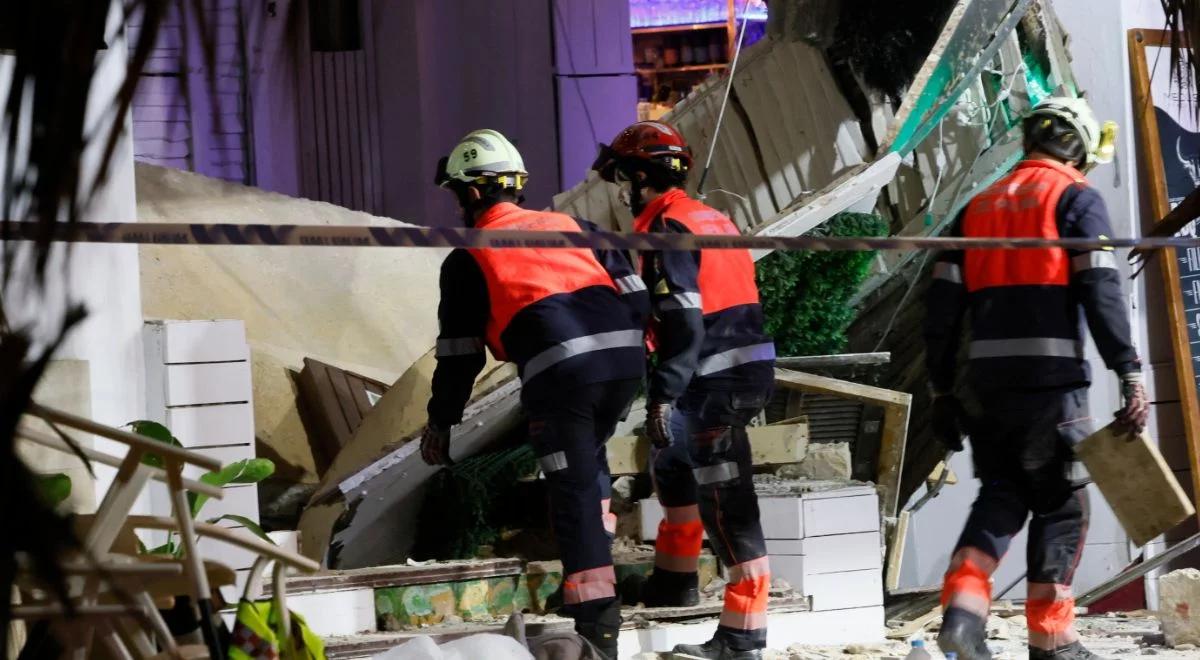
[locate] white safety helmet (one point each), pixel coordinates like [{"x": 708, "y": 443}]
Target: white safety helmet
[
  {"x": 485, "y": 157},
  {"x": 1099, "y": 142}
]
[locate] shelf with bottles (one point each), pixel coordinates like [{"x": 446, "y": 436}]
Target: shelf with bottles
[{"x": 694, "y": 51}]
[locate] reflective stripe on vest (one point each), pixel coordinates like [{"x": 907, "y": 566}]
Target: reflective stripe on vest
[
  {"x": 726, "y": 276},
  {"x": 580, "y": 345},
  {"x": 735, "y": 357},
  {"x": 519, "y": 277},
  {"x": 1023, "y": 204}
]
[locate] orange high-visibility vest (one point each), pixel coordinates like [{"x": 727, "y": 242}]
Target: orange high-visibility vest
[
  {"x": 519, "y": 277},
  {"x": 1023, "y": 204},
  {"x": 726, "y": 277}
]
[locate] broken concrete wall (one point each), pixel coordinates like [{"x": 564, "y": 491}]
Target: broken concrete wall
[{"x": 370, "y": 310}]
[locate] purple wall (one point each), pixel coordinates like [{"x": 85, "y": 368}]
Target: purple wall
[
  {"x": 596, "y": 85},
  {"x": 447, "y": 67},
  {"x": 365, "y": 129}
]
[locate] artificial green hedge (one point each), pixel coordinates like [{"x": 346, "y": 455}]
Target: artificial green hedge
[{"x": 805, "y": 294}]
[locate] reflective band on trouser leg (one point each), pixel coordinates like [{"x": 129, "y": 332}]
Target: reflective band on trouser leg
[
  {"x": 592, "y": 584},
  {"x": 1050, "y": 609},
  {"x": 968, "y": 583},
  {"x": 746, "y": 595},
  {"x": 680, "y": 537},
  {"x": 609, "y": 518}
]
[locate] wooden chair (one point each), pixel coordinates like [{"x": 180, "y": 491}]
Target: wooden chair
[{"x": 115, "y": 592}]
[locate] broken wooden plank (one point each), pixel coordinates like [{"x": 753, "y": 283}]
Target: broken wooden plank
[
  {"x": 910, "y": 628},
  {"x": 832, "y": 361},
  {"x": 770, "y": 445},
  {"x": 402, "y": 575}
]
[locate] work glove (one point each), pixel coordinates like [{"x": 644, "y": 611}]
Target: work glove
[
  {"x": 1136, "y": 408},
  {"x": 435, "y": 445},
  {"x": 948, "y": 414},
  {"x": 658, "y": 424}
]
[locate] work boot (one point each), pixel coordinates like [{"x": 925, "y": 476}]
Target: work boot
[
  {"x": 603, "y": 629},
  {"x": 662, "y": 589},
  {"x": 964, "y": 633},
  {"x": 714, "y": 649},
  {"x": 1072, "y": 651}
]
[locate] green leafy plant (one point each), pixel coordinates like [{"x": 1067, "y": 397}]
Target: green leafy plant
[
  {"x": 246, "y": 471},
  {"x": 805, "y": 295},
  {"x": 54, "y": 488}
]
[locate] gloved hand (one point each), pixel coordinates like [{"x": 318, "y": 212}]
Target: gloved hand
[
  {"x": 1136, "y": 410},
  {"x": 435, "y": 445},
  {"x": 948, "y": 414},
  {"x": 658, "y": 423}
]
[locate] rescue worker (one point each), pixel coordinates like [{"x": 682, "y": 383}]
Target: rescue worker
[
  {"x": 573, "y": 322},
  {"x": 1027, "y": 376},
  {"x": 714, "y": 373}
]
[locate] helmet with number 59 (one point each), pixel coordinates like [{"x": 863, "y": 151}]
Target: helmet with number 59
[{"x": 483, "y": 157}]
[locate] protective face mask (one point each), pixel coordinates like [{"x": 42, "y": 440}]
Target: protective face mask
[{"x": 625, "y": 193}]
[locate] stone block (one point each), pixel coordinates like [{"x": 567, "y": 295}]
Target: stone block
[{"x": 1179, "y": 603}]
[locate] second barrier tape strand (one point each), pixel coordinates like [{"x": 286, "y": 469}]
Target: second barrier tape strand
[{"x": 452, "y": 237}]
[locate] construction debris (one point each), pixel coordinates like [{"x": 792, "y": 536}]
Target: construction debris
[
  {"x": 824, "y": 461},
  {"x": 1179, "y": 606}
]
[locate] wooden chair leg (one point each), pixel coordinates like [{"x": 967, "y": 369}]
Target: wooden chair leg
[{"x": 107, "y": 636}]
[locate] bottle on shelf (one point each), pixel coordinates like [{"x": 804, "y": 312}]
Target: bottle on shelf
[
  {"x": 670, "y": 55},
  {"x": 918, "y": 652},
  {"x": 686, "y": 52}
]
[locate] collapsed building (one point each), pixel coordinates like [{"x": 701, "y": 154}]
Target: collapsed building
[{"x": 332, "y": 348}]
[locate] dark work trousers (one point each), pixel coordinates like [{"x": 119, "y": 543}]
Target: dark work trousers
[
  {"x": 568, "y": 430},
  {"x": 1023, "y": 445},
  {"x": 709, "y": 463}
]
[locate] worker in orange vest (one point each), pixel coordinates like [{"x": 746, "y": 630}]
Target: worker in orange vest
[
  {"x": 714, "y": 374},
  {"x": 573, "y": 321},
  {"x": 1028, "y": 375}
]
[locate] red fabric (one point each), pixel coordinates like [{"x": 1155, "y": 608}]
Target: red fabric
[
  {"x": 726, "y": 277},
  {"x": 679, "y": 539},
  {"x": 967, "y": 578},
  {"x": 1023, "y": 204},
  {"x": 1050, "y": 617},
  {"x": 519, "y": 277}
]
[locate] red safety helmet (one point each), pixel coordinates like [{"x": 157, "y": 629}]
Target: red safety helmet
[{"x": 650, "y": 141}]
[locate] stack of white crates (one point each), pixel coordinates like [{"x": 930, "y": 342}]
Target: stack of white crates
[
  {"x": 826, "y": 544},
  {"x": 198, "y": 384}
]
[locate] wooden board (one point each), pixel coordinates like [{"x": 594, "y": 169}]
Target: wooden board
[
  {"x": 335, "y": 402},
  {"x": 1136, "y": 481},
  {"x": 1157, "y": 191},
  {"x": 769, "y": 445}
]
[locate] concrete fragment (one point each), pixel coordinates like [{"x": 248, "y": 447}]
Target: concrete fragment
[
  {"x": 824, "y": 460},
  {"x": 1179, "y": 603}
]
